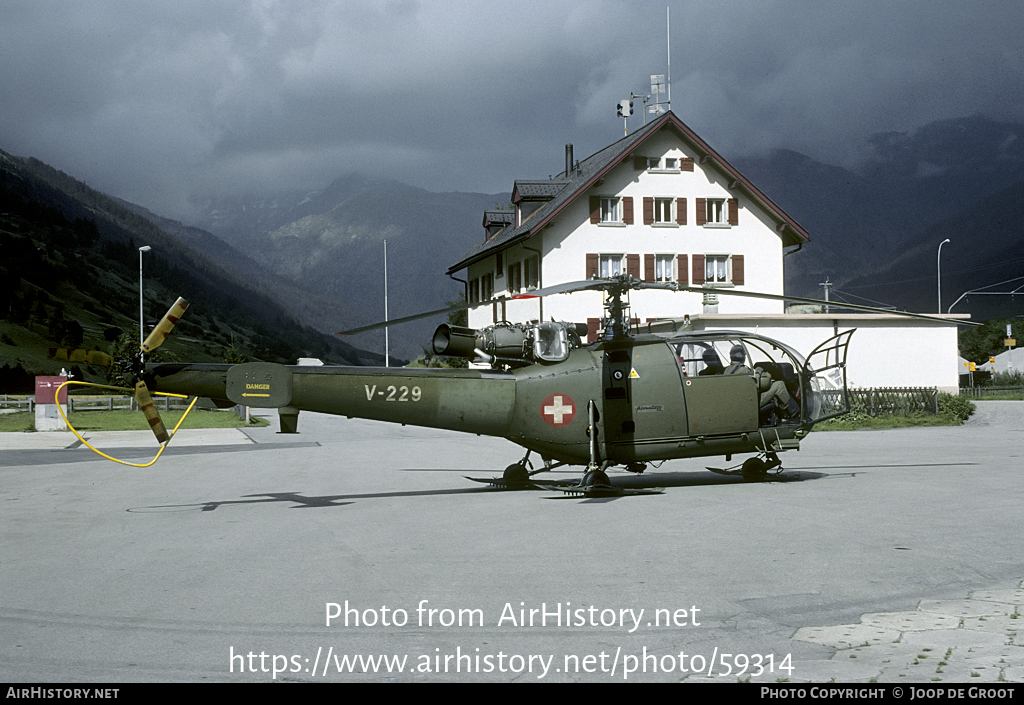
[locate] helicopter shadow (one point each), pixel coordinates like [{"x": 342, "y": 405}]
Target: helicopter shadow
[{"x": 298, "y": 500}]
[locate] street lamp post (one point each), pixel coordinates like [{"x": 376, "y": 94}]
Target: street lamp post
[
  {"x": 142, "y": 328},
  {"x": 938, "y": 268}
]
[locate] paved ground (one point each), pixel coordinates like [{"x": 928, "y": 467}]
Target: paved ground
[{"x": 891, "y": 555}]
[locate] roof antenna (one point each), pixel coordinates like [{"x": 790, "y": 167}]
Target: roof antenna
[{"x": 661, "y": 84}]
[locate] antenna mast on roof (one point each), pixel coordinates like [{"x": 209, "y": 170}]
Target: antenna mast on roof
[
  {"x": 668, "y": 51},
  {"x": 661, "y": 84}
]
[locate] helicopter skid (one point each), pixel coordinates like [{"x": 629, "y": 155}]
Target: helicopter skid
[
  {"x": 602, "y": 490},
  {"x": 502, "y": 483}
]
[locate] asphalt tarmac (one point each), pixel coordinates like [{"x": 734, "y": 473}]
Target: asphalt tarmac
[{"x": 357, "y": 551}]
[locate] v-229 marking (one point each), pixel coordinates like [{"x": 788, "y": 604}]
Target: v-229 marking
[{"x": 393, "y": 393}]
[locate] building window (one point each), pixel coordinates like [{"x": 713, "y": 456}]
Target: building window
[
  {"x": 716, "y": 269},
  {"x": 663, "y": 211},
  {"x": 515, "y": 278},
  {"x": 531, "y": 273},
  {"x": 487, "y": 287},
  {"x": 610, "y": 265},
  {"x": 659, "y": 164},
  {"x": 716, "y": 212},
  {"x": 474, "y": 291},
  {"x": 663, "y": 268},
  {"x": 610, "y": 210}
]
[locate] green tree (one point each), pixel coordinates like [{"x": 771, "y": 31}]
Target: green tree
[
  {"x": 125, "y": 353},
  {"x": 977, "y": 344},
  {"x": 232, "y": 355}
]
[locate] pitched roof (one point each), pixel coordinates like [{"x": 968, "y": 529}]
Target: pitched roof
[{"x": 570, "y": 187}]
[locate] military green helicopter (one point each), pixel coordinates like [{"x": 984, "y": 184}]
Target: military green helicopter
[{"x": 627, "y": 400}]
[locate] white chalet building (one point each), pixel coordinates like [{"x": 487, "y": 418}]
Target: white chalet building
[{"x": 659, "y": 204}]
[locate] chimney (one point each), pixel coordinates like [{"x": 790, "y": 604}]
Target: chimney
[{"x": 568, "y": 161}]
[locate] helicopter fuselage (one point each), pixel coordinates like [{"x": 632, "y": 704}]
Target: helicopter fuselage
[{"x": 639, "y": 396}]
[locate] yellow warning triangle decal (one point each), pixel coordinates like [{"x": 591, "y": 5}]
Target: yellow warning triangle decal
[{"x": 633, "y": 374}]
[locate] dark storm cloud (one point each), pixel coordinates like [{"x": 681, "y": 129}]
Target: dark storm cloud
[{"x": 161, "y": 101}]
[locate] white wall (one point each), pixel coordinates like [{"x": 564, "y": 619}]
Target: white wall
[{"x": 886, "y": 350}]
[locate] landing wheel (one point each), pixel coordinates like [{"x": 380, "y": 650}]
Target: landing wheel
[
  {"x": 754, "y": 469},
  {"x": 516, "y": 473},
  {"x": 596, "y": 478}
]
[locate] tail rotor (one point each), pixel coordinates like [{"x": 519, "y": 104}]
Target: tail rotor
[{"x": 141, "y": 391}]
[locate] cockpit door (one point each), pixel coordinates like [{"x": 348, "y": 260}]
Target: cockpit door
[{"x": 824, "y": 379}]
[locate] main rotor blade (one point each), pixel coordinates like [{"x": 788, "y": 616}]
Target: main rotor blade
[
  {"x": 567, "y": 287},
  {"x": 404, "y": 319},
  {"x": 145, "y": 401},
  {"x": 817, "y": 302},
  {"x": 88, "y": 357},
  {"x": 164, "y": 327}
]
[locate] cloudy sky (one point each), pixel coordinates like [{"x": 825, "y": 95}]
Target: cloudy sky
[{"x": 163, "y": 100}]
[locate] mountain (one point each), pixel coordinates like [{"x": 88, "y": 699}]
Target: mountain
[
  {"x": 875, "y": 229},
  {"x": 332, "y": 242},
  {"x": 70, "y": 264},
  {"x": 986, "y": 247},
  {"x": 308, "y": 306}
]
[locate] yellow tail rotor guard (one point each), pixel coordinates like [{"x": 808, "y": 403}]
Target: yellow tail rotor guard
[{"x": 91, "y": 447}]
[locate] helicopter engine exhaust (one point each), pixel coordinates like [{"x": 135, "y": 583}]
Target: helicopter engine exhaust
[{"x": 455, "y": 341}]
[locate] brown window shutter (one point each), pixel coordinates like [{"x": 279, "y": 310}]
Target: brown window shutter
[
  {"x": 627, "y": 210},
  {"x": 702, "y": 211},
  {"x": 737, "y": 270},
  {"x": 648, "y": 268},
  {"x": 684, "y": 278},
  {"x": 648, "y": 210},
  {"x": 681, "y": 211},
  {"x": 593, "y": 262},
  {"x": 595, "y": 209},
  {"x": 639, "y": 163},
  {"x": 633, "y": 266},
  {"x": 698, "y": 270},
  {"x": 686, "y": 164},
  {"x": 593, "y": 326},
  {"x": 734, "y": 212}
]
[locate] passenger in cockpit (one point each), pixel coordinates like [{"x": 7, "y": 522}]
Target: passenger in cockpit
[{"x": 776, "y": 391}]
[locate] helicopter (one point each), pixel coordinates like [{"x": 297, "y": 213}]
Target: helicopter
[{"x": 629, "y": 399}]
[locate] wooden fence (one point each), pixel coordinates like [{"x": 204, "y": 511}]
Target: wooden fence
[
  {"x": 897, "y": 401},
  {"x": 982, "y": 392}
]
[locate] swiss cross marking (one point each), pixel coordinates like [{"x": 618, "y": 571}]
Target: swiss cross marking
[{"x": 558, "y": 409}]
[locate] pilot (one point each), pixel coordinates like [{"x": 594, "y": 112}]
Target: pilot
[
  {"x": 776, "y": 391},
  {"x": 712, "y": 365}
]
